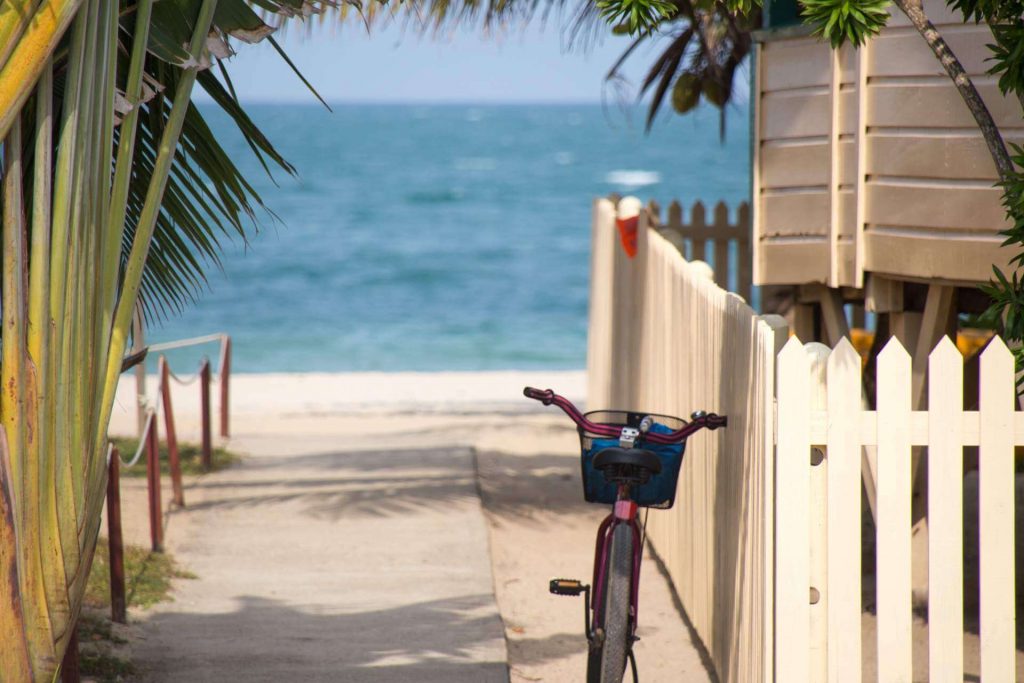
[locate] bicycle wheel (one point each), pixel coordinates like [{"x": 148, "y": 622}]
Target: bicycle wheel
[{"x": 611, "y": 657}]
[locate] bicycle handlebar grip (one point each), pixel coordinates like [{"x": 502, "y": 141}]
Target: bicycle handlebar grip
[
  {"x": 714, "y": 421},
  {"x": 545, "y": 396}
]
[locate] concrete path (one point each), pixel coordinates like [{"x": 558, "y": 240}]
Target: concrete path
[
  {"x": 330, "y": 561},
  {"x": 357, "y": 550}
]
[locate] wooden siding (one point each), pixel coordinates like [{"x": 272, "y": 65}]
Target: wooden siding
[{"x": 929, "y": 207}]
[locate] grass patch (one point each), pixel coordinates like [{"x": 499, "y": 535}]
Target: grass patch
[
  {"x": 103, "y": 653},
  {"x": 105, "y": 667},
  {"x": 190, "y": 454},
  {"x": 147, "y": 576}
]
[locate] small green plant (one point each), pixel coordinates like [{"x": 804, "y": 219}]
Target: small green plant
[
  {"x": 191, "y": 456},
  {"x": 147, "y": 576},
  {"x": 105, "y": 667}
]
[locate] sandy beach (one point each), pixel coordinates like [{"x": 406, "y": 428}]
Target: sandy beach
[
  {"x": 328, "y": 552},
  {"x": 297, "y": 402}
]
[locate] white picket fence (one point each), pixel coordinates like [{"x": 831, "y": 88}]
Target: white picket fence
[
  {"x": 765, "y": 542},
  {"x": 821, "y": 428},
  {"x": 664, "y": 338}
]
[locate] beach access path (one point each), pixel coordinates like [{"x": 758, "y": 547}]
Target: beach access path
[{"x": 391, "y": 543}]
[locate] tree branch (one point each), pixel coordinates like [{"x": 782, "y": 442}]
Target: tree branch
[{"x": 963, "y": 83}]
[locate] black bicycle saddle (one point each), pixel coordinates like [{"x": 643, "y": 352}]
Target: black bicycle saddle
[{"x": 637, "y": 457}]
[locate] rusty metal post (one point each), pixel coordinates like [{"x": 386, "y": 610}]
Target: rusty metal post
[
  {"x": 69, "y": 671},
  {"x": 173, "y": 457},
  {"x": 225, "y": 381},
  {"x": 115, "y": 541},
  {"x": 204, "y": 382},
  {"x": 156, "y": 514}
]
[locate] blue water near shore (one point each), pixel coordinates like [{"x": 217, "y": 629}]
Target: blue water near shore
[{"x": 443, "y": 237}]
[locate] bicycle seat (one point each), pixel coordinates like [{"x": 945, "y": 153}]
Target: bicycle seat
[{"x": 635, "y": 457}]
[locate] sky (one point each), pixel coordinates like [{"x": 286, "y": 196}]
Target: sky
[{"x": 395, "y": 65}]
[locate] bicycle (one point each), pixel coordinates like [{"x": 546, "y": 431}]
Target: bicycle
[{"x": 629, "y": 460}]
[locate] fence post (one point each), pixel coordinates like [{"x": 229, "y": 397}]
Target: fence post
[
  {"x": 817, "y": 356},
  {"x": 173, "y": 457},
  {"x": 225, "y": 381},
  {"x": 204, "y": 389},
  {"x": 115, "y": 541},
  {"x": 721, "y": 245},
  {"x": 156, "y": 522},
  {"x": 792, "y": 537},
  {"x": 69, "y": 671}
]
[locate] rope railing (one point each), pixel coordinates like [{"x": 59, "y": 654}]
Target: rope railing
[
  {"x": 149, "y": 445},
  {"x": 223, "y": 375}
]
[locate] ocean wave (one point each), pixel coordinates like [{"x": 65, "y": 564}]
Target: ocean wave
[
  {"x": 435, "y": 196},
  {"x": 564, "y": 158},
  {"x": 633, "y": 178},
  {"x": 476, "y": 164}
]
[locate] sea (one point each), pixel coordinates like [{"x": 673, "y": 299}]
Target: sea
[{"x": 440, "y": 237}]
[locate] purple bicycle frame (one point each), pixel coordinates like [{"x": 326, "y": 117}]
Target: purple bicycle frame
[{"x": 625, "y": 512}]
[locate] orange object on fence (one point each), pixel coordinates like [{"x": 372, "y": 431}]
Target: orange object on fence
[{"x": 627, "y": 233}]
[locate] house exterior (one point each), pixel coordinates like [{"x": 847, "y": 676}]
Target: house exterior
[{"x": 867, "y": 164}]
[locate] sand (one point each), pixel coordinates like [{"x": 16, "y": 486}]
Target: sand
[{"x": 389, "y": 532}]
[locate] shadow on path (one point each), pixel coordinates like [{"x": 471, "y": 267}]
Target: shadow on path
[{"x": 434, "y": 640}]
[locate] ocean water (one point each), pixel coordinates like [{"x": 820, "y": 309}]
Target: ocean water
[{"x": 444, "y": 237}]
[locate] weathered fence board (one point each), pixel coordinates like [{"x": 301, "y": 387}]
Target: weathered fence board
[
  {"x": 996, "y": 514},
  {"x": 792, "y": 541},
  {"x": 945, "y": 515},
  {"x": 892, "y": 544},
  {"x": 844, "y": 519}
]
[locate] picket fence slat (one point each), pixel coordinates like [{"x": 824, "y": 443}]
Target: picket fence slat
[
  {"x": 844, "y": 524},
  {"x": 996, "y": 514},
  {"x": 893, "y": 565},
  {"x": 816, "y": 466},
  {"x": 945, "y": 515},
  {"x": 792, "y": 542}
]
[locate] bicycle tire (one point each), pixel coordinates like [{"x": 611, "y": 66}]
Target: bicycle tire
[{"x": 617, "y": 601}]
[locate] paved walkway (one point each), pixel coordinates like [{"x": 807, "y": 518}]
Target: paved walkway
[
  {"x": 359, "y": 551},
  {"x": 330, "y": 562}
]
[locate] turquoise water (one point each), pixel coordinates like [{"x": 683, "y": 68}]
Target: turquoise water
[{"x": 446, "y": 237}]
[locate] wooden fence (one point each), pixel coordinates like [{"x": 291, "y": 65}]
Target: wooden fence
[
  {"x": 665, "y": 338},
  {"x": 698, "y": 240},
  {"x": 821, "y": 429},
  {"x": 766, "y": 541}
]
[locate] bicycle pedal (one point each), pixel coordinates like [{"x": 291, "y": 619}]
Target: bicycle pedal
[{"x": 566, "y": 587}]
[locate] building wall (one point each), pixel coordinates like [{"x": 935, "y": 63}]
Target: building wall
[{"x": 907, "y": 191}]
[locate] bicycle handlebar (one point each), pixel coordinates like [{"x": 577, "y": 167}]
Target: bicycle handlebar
[{"x": 547, "y": 397}]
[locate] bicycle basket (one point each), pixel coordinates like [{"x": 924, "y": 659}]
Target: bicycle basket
[{"x": 660, "y": 489}]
